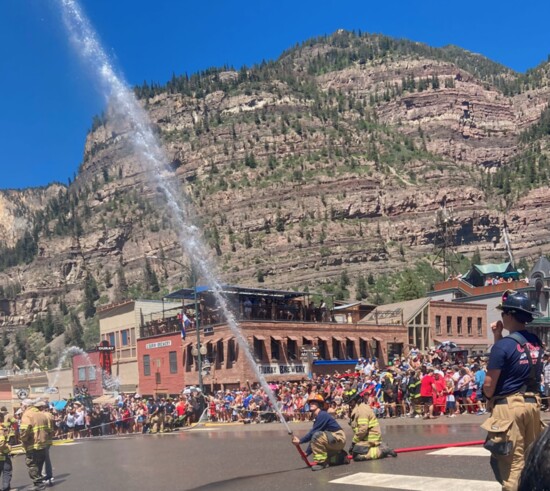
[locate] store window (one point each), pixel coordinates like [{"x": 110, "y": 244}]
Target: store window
[
  {"x": 173, "y": 357},
  {"x": 146, "y": 365},
  {"x": 438, "y": 324}
]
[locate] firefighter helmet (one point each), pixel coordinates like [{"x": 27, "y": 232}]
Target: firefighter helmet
[
  {"x": 516, "y": 302},
  {"x": 351, "y": 396},
  {"x": 318, "y": 398}
]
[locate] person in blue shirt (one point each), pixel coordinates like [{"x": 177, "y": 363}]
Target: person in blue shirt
[
  {"x": 512, "y": 386},
  {"x": 326, "y": 438},
  {"x": 479, "y": 380}
]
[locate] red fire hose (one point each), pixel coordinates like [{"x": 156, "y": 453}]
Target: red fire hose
[
  {"x": 441, "y": 445},
  {"x": 303, "y": 455},
  {"x": 406, "y": 449}
]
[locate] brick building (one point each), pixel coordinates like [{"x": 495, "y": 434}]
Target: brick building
[
  {"x": 485, "y": 284},
  {"x": 120, "y": 325},
  {"x": 429, "y": 322},
  {"x": 464, "y": 324},
  {"x": 160, "y": 364},
  {"x": 87, "y": 374},
  {"x": 166, "y": 364}
]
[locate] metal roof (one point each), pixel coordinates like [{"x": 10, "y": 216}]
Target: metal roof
[
  {"x": 188, "y": 293},
  {"x": 492, "y": 268}
]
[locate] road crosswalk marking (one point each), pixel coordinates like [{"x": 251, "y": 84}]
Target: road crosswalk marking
[
  {"x": 416, "y": 483},
  {"x": 462, "y": 452}
]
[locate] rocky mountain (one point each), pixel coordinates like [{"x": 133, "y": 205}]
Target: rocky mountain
[{"x": 335, "y": 157}]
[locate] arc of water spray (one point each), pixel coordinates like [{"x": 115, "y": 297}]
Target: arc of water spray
[{"x": 146, "y": 146}]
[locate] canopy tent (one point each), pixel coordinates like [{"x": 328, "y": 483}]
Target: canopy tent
[
  {"x": 446, "y": 346},
  {"x": 59, "y": 405},
  {"x": 480, "y": 272},
  {"x": 105, "y": 399}
]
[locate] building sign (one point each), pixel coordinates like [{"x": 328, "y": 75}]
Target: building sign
[
  {"x": 282, "y": 369},
  {"x": 105, "y": 356},
  {"x": 160, "y": 344}
]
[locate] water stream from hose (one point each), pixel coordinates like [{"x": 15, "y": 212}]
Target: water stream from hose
[{"x": 123, "y": 103}]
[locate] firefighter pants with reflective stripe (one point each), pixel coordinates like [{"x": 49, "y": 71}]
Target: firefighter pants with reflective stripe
[
  {"x": 35, "y": 460},
  {"x": 326, "y": 443},
  {"x": 366, "y": 452},
  {"x": 524, "y": 429}
]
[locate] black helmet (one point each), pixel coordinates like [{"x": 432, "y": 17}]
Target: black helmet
[
  {"x": 351, "y": 396},
  {"x": 515, "y": 302}
]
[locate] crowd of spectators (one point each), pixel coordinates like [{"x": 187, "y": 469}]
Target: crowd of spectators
[
  {"x": 428, "y": 385},
  {"x": 420, "y": 385}
]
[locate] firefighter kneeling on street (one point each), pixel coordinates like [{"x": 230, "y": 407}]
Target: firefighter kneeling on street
[
  {"x": 326, "y": 439},
  {"x": 367, "y": 437}
]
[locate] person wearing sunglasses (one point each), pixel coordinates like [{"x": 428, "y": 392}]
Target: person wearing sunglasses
[{"x": 512, "y": 386}]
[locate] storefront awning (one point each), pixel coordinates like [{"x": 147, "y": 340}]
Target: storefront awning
[{"x": 214, "y": 341}]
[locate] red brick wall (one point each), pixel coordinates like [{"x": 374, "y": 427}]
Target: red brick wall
[
  {"x": 95, "y": 387},
  {"x": 241, "y": 371},
  {"x": 456, "y": 311},
  {"x": 160, "y": 380}
]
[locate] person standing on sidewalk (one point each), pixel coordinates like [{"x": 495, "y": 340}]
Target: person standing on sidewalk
[{"x": 512, "y": 385}]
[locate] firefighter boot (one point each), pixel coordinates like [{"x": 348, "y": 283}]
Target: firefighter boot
[{"x": 386, "y": 451}]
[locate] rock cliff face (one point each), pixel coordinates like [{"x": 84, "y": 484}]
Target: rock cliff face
[{"x": 294, "y": 178}]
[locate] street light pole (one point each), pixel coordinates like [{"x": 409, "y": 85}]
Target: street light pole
[
  {"x": 197, "y": 314},
  {"x": 197, "y": 326}
]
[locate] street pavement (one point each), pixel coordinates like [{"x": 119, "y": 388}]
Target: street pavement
[{"x": 261, "y": 457}]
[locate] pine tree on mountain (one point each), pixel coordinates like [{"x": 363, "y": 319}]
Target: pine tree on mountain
[
  {"x": 75, "y": 332},
  {"x": 91, "y": 294},
  {"x": 361, "y": 288},
  {"x": 2, "y": 356},
  {"x": 409, "y": 287},
  {"x": 48, "y": 327},
  {"x": 151, "y": 280}
]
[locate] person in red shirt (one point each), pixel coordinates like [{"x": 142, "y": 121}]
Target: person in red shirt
[
  {"x": 439, "y": 395},
  {"x": 427, "y": 391}
]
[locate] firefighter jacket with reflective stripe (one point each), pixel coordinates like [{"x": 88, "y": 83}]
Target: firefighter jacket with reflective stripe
[
  {"x": 51, "y": 424},
  {"x": 9, "y": 432},
  {"x": 4, "y": 447},
  {"x": 34, "y": 430},
  {"x": 365, "y": 425}
]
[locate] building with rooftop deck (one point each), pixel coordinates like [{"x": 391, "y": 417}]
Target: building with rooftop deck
[{"x": 485, "y": 284}]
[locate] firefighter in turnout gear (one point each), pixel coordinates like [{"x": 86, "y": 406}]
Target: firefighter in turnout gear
[
  {"x": 34, "y": 435},
  {"x": 8, "y": 425},
  {"x": 512, "y": 385},
  {"x": 367, "y": 437},
  {"x": 4, "y": 447},
  {"x": 326, "y": 439}
]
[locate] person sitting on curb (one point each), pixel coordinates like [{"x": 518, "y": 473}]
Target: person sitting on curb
[{"x": 326, "y": 439}]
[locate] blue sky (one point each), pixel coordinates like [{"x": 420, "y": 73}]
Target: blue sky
[{"x": 49, "y": 98}]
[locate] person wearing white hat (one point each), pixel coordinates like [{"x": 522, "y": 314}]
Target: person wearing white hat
[{"x": 33, "y": 433}]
